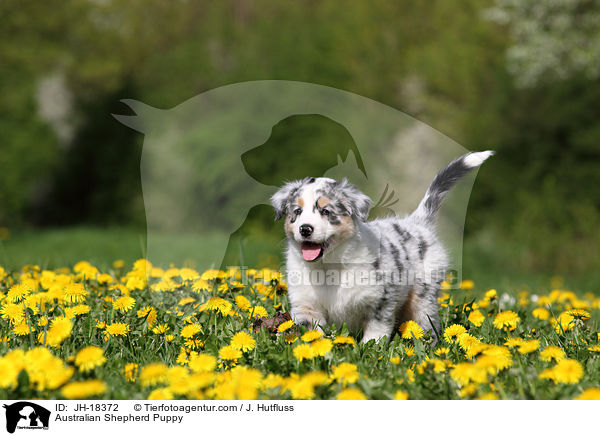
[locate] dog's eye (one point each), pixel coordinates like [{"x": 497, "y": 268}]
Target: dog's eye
[
  {"x": 297, "y": 211},
  {"x": 325, "y": 212}
]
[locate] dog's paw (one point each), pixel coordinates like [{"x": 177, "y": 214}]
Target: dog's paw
[
  {"x": 310, "y": 324},
  {"x": 373, "y": 340}
]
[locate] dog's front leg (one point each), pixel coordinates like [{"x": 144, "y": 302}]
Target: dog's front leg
[
  {"x": 377, "y": 328},
  {"x": 308, "y": 317}
]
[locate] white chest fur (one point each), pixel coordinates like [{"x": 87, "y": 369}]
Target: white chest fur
[{"x": 339, "y": 288}]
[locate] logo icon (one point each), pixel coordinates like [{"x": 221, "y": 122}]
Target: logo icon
[{"x": 26, "y": 415}]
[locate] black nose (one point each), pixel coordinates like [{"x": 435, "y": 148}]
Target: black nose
[{"x": 306, "y": 230}]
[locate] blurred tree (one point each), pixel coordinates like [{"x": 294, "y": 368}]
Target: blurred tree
[{"x": 550, "y": 40}]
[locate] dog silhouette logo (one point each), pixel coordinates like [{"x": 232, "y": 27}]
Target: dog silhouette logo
[{"x": 26, "y": 415}]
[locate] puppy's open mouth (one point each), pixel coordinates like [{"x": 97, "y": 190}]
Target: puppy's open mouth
[{"x": 312, "y": 251}]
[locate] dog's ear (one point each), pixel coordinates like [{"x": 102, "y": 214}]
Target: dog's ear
[
  {"x": 354, "y": 200},
  {"x": 281, "y": 199}
]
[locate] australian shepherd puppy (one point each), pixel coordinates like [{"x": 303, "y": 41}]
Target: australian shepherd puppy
[{"x": 371, "y": 275}]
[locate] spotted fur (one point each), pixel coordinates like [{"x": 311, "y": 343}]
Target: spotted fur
[{"x": 402, "y": 257}]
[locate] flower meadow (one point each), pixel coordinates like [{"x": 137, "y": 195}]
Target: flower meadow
[{"x": 150, "y": 333}]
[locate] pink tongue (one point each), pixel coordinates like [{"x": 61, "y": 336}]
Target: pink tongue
[{"x": 311, "y": 251}]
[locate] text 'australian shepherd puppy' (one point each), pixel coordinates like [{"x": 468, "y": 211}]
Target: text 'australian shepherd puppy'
[{"x": 370, "y": 275}]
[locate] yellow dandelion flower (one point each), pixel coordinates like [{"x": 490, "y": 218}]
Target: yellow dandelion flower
[
  {"x": 43, "y": 321},
  {"x": 438, "y": 365},
  {"x": 243, "y": 341},
  {"x": 579, "y": 314},
  {"x": 410, "y": 329},
  {"x": 81, "y": 309},
  {"x": 149, "y": 313},
  {"x": 286, "y": 325},
  {"x": 529, "y": 346},
  {"x": 161, "y": 394},
  {"x": 18, "y": 292},
  {"x": 409, "y": 351},
  {"x": 568, "y": 371},
  {"x": 311, "y": 335},
  {"x": 351, "y": 394},
  {"x": 467, "y": 285},
  {"x": 272, "y": 381},
  {"x": 83, "y": 389},
  {"x": 506, "y": 320},
  {"x": 395, "y": 360},
  {"x": 552, "y": 352},
  {"x": 186, "y": 300},
  {"x": 242, "y": 302},
  {"x": 118, "y": 264},
  {"x": 467, "y": 341},
  {"x": 476, "y": 318},
  {"x": 100, "y": 325},
  {"x": 259, "y": 312},
  {"x": 194, "y": 344},
  {"x": 89, "y": 357},
  {"x": 160, "y": 329},
  {"x": 75, "y": 293},
  {"x": 217, "y": 304},
  {"x": 136, "y": 283},
  {"x": 303, "y": 388},
  {"x": 491, "y": 294},
  {"x": 345, "y": 340},
  {"x": 464, "y": 373},
  {"x": 468, "y": 390},
  {"x": 229, "y": 353},
  {"x": 22, "y": 329},
  {"x": 117, "y": 329},
  {"x": 153, "y": 374},
  {"x": 563, "y": 323},
  {"x": 489, "y": 396},
  {"x": 200, "y": 286},
  {"x": 541, "y": 313},
  {"x": 212, "y": 274},
  {"x": 547, "y": 374},
  {"x": 595, "y": 348},
  {"x": 345, "y": 373},
  {"x": 105, "y": 279},
  {"x": 502, "y": 356},
  {"x": 589, "y": 394},
  {"x": 514, "y": 342},
  {"x": 190, "y": 330},
  {"x": 442, "y": 351},
  {"x": 321, "y": 347},
  {"x": 188, "y": 274},
  {"x": 452, "y": 333},
  {"x": 202, "y": 363},
  {"x": 130, "y": 372},
  {"x": 400, "y": 395},
  {"x": 13, "y": 312},
  {"x": 303, "y": 351},
  {"x": 124, "y": 303},
  {"x": 10, "y": 373},
  {"x": 60, "y": 329}
]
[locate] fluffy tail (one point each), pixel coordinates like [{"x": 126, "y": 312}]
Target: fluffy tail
[{"x": 444, "y": 181}]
